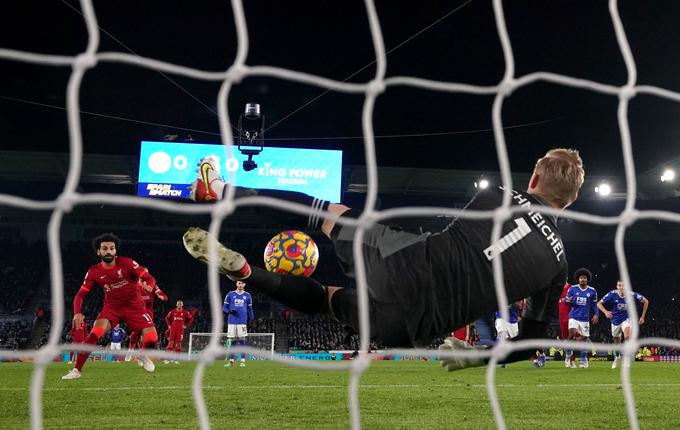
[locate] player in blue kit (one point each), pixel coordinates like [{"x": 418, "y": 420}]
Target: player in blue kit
[
  {"x": 509, "y": 329},
  {"x": 117, "y": 336},
  {"x": 613, "y": 306},
  {"x": 238, "y": 305},
  {"x": 583, "y": 298}
]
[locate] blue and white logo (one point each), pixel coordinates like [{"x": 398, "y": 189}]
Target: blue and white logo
[{"x": 166, "y": 169}]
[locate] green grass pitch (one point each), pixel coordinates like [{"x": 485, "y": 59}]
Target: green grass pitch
[{"x": 393, "y": 395}]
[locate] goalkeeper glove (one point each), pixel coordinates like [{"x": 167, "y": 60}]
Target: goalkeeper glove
[{"x": 458, "y": 363}]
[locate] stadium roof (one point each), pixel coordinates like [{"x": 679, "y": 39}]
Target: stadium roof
[{"x": 445, "y": 41}]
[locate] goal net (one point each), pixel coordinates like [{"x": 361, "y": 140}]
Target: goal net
[
  {"x": 260, "y": 341},
  {"x": 211, "y": 345}
]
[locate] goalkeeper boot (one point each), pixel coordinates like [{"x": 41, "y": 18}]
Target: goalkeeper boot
[
  {"x": 208, "y": 186},
  {"x": 230, "y": 263},
  {"x": 73, "y": 374}
]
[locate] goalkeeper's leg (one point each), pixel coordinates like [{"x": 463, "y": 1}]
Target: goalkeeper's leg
[
  {"x": 209, "y": 187},
  {"x": 302, "y": 294}
]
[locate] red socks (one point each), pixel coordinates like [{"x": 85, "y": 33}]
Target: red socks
[
  {"x": 91, "y": 339},
  {"x": 149, "y": 339},
  {"x": 134, "y": 337}
]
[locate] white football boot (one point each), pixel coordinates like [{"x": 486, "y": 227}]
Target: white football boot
[
  {"x": 148, "y": 364},
  {"x": 73, "y": 374},
  {"x": 230, "y": 263}
]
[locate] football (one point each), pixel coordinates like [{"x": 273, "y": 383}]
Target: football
[{"x": 291, "y": 252}]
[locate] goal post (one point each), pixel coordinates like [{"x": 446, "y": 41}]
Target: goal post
[{"x": 260, "y": 341}]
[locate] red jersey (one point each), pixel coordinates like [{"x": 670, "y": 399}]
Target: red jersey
[
  {"x": 462, "y": 333},
  {"x": 564, "y": 307},
  {"x": 148, "y": 297},
  {"x": 78, "y": 333},
  {"x": 120, "y": 283},
  {"x": 177, "y": 319}
]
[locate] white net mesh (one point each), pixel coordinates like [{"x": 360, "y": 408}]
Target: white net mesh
[{"x": 87, "y": 60}]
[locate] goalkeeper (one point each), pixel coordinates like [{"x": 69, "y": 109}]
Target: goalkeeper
[{"x": 452, "y": 269}]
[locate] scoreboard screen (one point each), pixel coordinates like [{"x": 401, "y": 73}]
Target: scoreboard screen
[{"x": 167, "y": 169}]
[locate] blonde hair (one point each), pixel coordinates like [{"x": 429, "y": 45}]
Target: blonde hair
[{"x": 561, "y": 175}]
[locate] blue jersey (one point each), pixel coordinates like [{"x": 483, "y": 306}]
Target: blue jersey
[
  {"x": 117, "y": 335},
  {"x": 581, "y": 302},
  {"x": 514, "y": 314},
  {"x": 241, "y": 303},
  {"x": 613, "y": 302}
]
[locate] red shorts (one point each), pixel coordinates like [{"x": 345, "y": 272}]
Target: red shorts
[
  {"x": 78, "y": 338},
  {"x": 136, "y": 318},
  {"x": 564, "y": 329},
  {"x": 176, "y": 336}
]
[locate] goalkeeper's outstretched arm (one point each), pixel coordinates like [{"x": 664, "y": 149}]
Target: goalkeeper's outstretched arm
[{"x": 529, "y": 329}]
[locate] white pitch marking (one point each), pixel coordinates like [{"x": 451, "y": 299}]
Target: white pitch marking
[{"x": 288, "y": 387}]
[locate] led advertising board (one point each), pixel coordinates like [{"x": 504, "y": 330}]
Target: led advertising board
[{"x": 167, "y": 169}]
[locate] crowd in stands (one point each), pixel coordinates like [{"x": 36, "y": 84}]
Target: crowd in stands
[
  {"x": 315, "y": 333},
  {"x": 21, "y": 272},
  {"x": 14, "y": 331}
]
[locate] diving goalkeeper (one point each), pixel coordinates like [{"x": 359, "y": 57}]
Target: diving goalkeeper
[{"x": 453, "y": 268}]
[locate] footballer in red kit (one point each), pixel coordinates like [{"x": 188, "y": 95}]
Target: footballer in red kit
[
  {"x": 78, "y": 334},
  {"x": 119, "y": 278},
  {"x": 564, "y": 308},
  {"x": 177, "y": 320},
  {"x": 149, "y": 293}
]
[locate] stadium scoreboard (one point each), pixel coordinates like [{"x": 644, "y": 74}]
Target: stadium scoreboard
[{"x": 167, "y": 169}]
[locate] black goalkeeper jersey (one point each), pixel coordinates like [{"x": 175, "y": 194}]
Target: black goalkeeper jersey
[{"x": 446, "y": 280}]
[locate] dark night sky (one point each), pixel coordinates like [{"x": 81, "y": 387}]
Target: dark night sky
[{"x": 332, "y": 39}]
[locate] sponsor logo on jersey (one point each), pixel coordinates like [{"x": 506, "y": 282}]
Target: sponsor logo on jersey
[{"x": 116, "y": 285}]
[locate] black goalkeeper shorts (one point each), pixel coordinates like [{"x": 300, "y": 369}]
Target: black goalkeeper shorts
[
  {"x": 387, "y": 321},
  {"x": 393, "y": 260}
]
